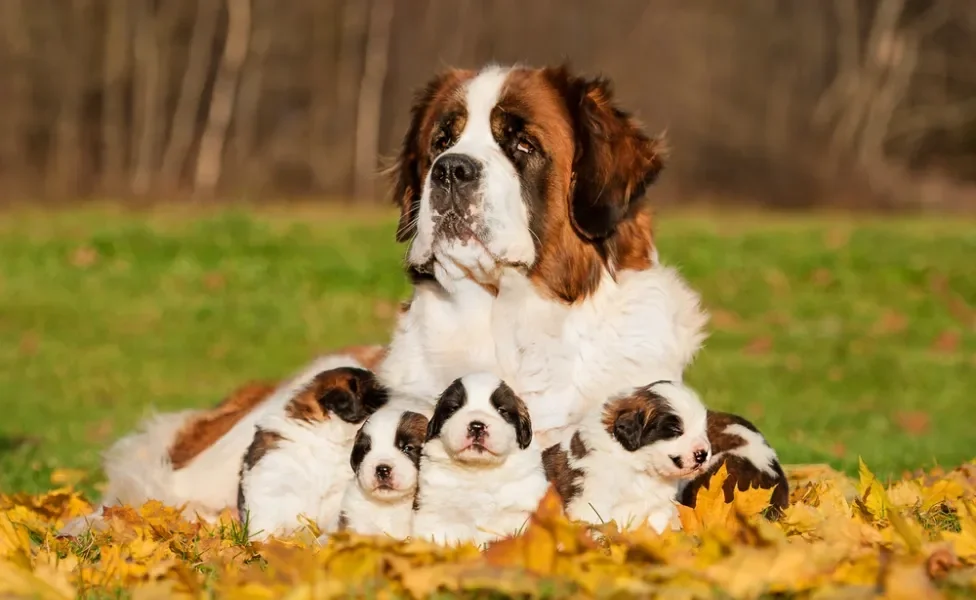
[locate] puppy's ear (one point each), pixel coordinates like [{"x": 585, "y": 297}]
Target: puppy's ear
[
  {"x": 409, "y": 170},
  {"x": 515, "y": 412},
  {"x": 360, "y": 449},
  {"x": 615, "y": 160},
  {"x": 628, "y": 428},
  {"x": 450, "y": 401},
  {"x": 352, "y": 394}
]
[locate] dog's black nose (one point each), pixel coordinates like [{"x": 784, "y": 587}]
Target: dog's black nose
[
  {"x": 383, "y": 472},
  {"x": 676, "y": 460},
  {"x": 701, "y": 456},
  {"x": 455, "y": 170},
  {"x": 476, "y": 428}
]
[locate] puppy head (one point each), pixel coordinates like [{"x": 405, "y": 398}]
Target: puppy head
[
  {"x": 480, "y": 421},
  {"x": 349, "y": 393},
  {"x": 386, "y": 454},
  {"x": 664, "y": 425}
]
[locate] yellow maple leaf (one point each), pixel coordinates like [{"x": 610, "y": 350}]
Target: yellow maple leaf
[
  {"x": 869, "y": 491},
  {"x": 710, "y": 508}
]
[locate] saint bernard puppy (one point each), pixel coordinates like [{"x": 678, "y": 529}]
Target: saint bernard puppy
[
  {"x": 749, "y": 459},
  {"x": 385, "y": 459},
  {"x": 481, "y": 473},
  {"x": 193, "y": 458},
  {"x": 627, "y": 460},
  {"x": 298, "y": 462},
  {"x": 522, "y": 196}
]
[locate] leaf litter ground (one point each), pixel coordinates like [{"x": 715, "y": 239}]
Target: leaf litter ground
[{"x": 914, "y": 538}]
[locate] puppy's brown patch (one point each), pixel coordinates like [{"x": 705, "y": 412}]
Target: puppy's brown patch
[
  {"x": 305, "y": 406},
  {"x": 635, "y": 403},
  {"x": 743, "y": 475},
  {"x": 566, "y": 479},
  {"x": 204, "y": 430},
  {"x": 264, "y": 441},
  {"x": 578, "y": 447}
]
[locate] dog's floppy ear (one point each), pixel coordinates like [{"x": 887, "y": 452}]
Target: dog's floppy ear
[
  {"x": 515, "y": 412},
  {"x": 615, "y": 160},
  {"x": 409, "y": 169},
  {"x": 628, "y": 428},
  {"x": 360, "y": 449},
  {"x": 450, "y": 401}
]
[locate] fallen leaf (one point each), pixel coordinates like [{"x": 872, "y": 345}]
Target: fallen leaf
[
  {"x": 760, "y": 345},
  {"x": 914, "y": 422},
  {"x": 947, "y": 342}
]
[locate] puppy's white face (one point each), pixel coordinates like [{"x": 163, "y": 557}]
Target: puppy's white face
[
  {"x": 386, "y": 454},
  {"x": 664, "y": 425},
  {"x": 480, "y": 421}
]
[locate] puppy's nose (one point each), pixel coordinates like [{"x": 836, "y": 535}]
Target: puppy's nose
[
  {"x": 476, "y": 429},
  {"x": 676, "y": 460},
  {"x": 455, "y": 170},
  {"x": 383, "y": 472},
  {"x": 700, "y": 457}
]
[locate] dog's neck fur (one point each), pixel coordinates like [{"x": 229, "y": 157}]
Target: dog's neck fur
[{"x": 562, "y": 359}]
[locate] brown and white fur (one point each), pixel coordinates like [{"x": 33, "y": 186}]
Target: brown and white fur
[
  {"x": 749, "y": 459},
  {"x": 193, "y": 458},
  {"x": 627, "y": 460},
  {"x": 530, "y": 245},
  {"x": 385, "y": 460},
  {"x": 522, "y": 197},
  {"x": 481, "y": 473},
  {"x": 298, "y": 462}
]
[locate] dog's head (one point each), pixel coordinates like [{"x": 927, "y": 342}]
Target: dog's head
[
  {"x": 480, "y": 421},
  {"x": 349, "y": 393},
  {"x": 664, "y": 426},
  {"x": 532, "y": 168},
  {"x": 386, "y": 454}
]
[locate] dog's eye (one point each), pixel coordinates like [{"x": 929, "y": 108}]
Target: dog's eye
[
  {"x": 503, "y": 412},
  {"x": 409, "y": 448},
  {"x": 524, "y": 146}
]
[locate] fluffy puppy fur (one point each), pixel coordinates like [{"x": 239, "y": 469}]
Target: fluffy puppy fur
[
  {"x": 749, "y": 459},
  {"x": 192, "y": 458},
  {"x": 385, "y": 460},
  {"x": 481, "y": 474},
  {"x": 298, "y": 462},
  {"x": 626, "y": 461}
]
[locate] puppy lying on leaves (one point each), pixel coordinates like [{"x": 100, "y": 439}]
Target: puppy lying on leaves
[
  {"x": 481, "y": 475},
  {"x": 627, "y": 460},
  {"x": 749, "y": 459},
  {"x": 298, "y": 462},
  {"x": 385, "y": 459}
]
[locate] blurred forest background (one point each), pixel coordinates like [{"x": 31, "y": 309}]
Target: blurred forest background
[{"x": 791, "y": 103}]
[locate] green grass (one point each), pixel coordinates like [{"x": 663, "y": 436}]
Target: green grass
[{"x": 839, "y": 337}]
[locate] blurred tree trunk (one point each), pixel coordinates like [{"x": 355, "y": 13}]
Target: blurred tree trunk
[
  {"x": 222, "y": 102},
  {"x": 183, "y": 129},
  {"x": 371, "y": 97},
  {"x": 247, "y": 114},
  {"x": 66, "y": 150},
  {"x": 115, "y": 90},
  {"x": 15, "y": 89},
  {"x": 148, "y": 89},
  {"x": 355, "y": 18},
  {"x": 323, "y": 68}
]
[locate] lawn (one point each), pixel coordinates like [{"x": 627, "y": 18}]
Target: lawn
[{"x": 838, "y": 336}]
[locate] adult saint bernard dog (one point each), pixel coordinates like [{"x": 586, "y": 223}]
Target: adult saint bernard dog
[{"x": 522, "y": 197}]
